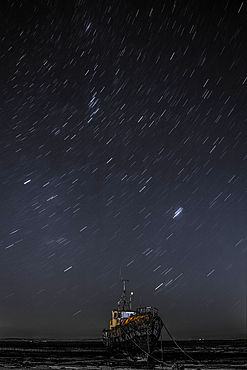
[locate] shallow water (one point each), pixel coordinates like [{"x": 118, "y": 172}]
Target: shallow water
[{"x": 91, "y": 355}]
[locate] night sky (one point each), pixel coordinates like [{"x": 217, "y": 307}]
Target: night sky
[{"x": 123, "y": 148}]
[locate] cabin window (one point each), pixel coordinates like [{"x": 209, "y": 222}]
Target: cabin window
[{"x": 127, "y": 314}]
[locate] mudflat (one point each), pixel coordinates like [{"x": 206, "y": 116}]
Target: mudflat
[{"x": 90, "y": 354}]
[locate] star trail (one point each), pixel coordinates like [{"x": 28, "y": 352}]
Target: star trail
[{"x": 123, "y": 148}]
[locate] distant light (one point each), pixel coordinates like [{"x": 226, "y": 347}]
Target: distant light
[{"x": 26, "y": 182}]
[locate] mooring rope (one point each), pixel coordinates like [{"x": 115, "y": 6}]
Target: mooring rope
[
  {"x": 181, "y": 349},
  {"x": 174, "y": 341}
]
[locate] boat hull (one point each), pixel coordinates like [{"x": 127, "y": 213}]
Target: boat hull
[{"x": 136, "y": 337}]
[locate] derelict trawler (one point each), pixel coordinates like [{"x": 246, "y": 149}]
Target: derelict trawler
[{"x": 132, "y": 332}]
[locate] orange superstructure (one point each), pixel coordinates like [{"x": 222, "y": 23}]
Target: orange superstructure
[{"x": 133, "y": 318}]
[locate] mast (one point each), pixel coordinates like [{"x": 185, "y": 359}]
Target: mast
[{"x": 123, "y": 299}]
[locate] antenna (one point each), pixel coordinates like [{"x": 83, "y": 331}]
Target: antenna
[{"x": 130, "y": 301}]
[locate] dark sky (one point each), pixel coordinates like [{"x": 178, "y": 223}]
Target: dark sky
[{"x": 123, "y": 146}]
